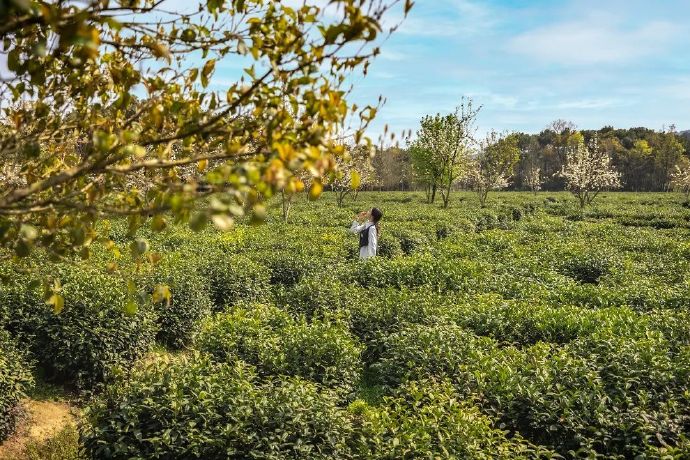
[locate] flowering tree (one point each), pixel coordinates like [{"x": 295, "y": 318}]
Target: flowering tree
[
  {"x": 680, "y": 179},
  {"x": 588, "y": 171},
  {"x": 533, "y": 178},
  {"x": 353, "y": 168},
  {"x": 494, "y": 164}
]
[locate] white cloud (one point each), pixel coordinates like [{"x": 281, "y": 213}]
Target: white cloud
[
  {"x": 677, "y": 88},
  {"x": 589, "y": 104},
  {"x": 594, "y": 41},
  {"x": 443, "y": 18}
]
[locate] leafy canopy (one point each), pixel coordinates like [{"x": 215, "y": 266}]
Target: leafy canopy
[{"x": 109, "y": 108}]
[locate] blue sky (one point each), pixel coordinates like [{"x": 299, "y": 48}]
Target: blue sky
[{"x": 528, "y": 62}]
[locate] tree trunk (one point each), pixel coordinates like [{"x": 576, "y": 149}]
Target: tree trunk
[
  {"x": 341, "y": 197},
  {"x": 433, "y": 192},
  {"x": 287, "y": 205},
  {"x": 445, "y": 195},
  {"x": 483, "y": 194}
]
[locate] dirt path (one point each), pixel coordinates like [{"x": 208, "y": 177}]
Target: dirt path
[{"x": 42, "y": 420}]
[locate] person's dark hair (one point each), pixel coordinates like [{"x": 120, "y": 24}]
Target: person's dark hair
[{"x": 376, "y": 216}]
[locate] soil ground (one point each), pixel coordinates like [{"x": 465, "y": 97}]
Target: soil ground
[{"x": 42, "y": 420}]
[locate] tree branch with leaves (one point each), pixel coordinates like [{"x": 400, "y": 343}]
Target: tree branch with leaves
[{"x": 110, "y": 108}]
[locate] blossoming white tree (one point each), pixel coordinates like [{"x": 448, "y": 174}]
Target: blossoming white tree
[
  {"x": 494, "y": 164},
  {"x": 680, "y": 179},
  {"x": 533, "y": 178},
  {"x": 588, "y": 171},
  {"x": 354, "y": 170}
]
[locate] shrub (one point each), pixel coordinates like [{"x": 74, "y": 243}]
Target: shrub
[
  {"x": 439, "y": 275},
  {"x": 410, "y": 240},
  {"x": 22, "y": 310},
  {"x": 388, "y": 246},
  {"x": 296, "y": 420},
  {"x": 188, "y": 407},
  {"x": 278, "y": 345},
  {"x": 420, "y": 351},
  {"x": 286, "y": 267},
  {"x": 544, "y": 393},
  {"x": 379, "y": 312},
  {"x": 586, "y": 266},
  {"x": 15, "y": 380},
  {"x": 91, "y": 335},
  {"x": 234, "y": 278},
  {"x": 322, "y": 296},
  {"x": 427, "y": 419},
  {"x": 190, "y": 299}
]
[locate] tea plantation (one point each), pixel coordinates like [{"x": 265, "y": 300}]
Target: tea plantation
[{"x": 526, "y": 329}]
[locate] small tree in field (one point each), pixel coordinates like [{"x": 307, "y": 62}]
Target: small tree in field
[
  {"x": 494, "y": 164},
  {"x": 588, "y": 171},
  {"x": 296, "y": 184},
  {"x": 442, "y": 149},
  {"x": 533, "y": 179},
  {"x": 352, "y": 168},
  {"x": 426, "y": 170},
  {"x": 531, "y": 170},
  {"x": 680, "y": 179}
]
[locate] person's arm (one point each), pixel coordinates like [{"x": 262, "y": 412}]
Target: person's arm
[{"x": 356, "y": 227}]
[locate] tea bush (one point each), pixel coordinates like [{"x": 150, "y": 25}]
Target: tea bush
[
  {"x": 279, "y": 345},
  {"x": 428, "y": 419},
  {"x": 420, "y": 351},
  {"x": 91, "y": 336},
  {"x": 15, "y": 380},
  {"x": 189, "y": 407},
  {"x": 189, "y": 302},
  {"x": 234, "y": 278}
]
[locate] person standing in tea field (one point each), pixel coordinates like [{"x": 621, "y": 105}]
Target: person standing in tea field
[{"x": 366, "y": 224}]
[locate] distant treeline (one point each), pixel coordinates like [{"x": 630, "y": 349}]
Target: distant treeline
[{"x": 646, "y": 158}]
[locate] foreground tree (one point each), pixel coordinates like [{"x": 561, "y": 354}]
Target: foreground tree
[
  {"x": 494, "y": 164},
  {"x": 588, "y": 171},
  {"x": 444, "y": 144},
  {"x": 109, "y": 108}
]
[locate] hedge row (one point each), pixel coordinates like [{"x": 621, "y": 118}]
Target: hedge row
[
  {"x": 190, "y": 407},
  {"x": 277, "y": 344},
  {"x": 600, "y": 394}
]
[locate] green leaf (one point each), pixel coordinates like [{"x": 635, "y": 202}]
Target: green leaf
[
  {"x": 58, "y": 303},
  {"x": 139, "y": 246},
  {"x": 207, "y": 71},
  {"x": 198, "y": 221},
  {"x": 223, "y": 222},
  {"x": 131, "y": 308}
]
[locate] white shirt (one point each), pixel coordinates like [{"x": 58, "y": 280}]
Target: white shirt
[{"x": 369, "y": 250}]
